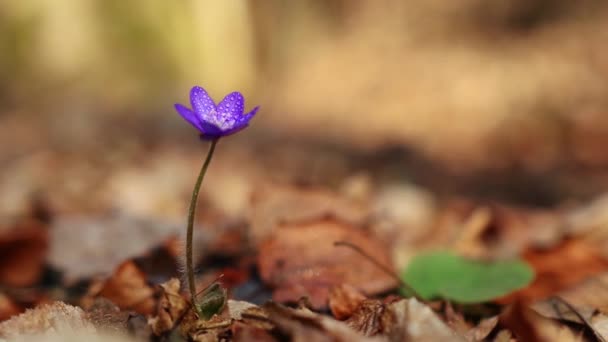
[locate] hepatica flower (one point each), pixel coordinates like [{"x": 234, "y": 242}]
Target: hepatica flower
[
  {"x": 216, "y": 121},
  {"x": 213, "y": 122}
]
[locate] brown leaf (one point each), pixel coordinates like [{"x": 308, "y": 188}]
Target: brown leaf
[
  {"x": 83, "y": 247},
  {"x": 107, "y": 316},
  {"x": 8, "y": 307},
  {"x": 589, "y": 296},
  {"x": 560, "y": 268},
  {"x": 23, "y": 249},
  {"x": 128, "y": 289},
  {"x": 561, "y": 309},
  {"x": 526, "y": 325},
  {"x": 301, "y": 260},
  {"x": 244, "y": 333},
  {"x": 344, "y": 300},
  {"x": 170, "y": 308},
  {"x": 272, "y": 206},
  {"x": 482, "y": 330},
  {"x": 367, "y": 319},
  {"x": 410, "y": 320},
  {"x": 303, "y": 325}
]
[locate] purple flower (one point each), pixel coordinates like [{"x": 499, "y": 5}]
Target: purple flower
[{"x": 216, "y": 121}]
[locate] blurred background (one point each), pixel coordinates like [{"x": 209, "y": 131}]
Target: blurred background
[
  {"x": 475, "y": 125},
  {"x": 504, "y": 99}
]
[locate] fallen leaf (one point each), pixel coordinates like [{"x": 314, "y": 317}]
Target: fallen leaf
[
  {"x": 301, "y": 260},
  {"x": 368, "y": 318},
  {"x": 8, "y": 307},
  {"x": 589, "y": 296},
  {"x": 344, "y": 300},
  {"x": 107, "y": 316},
  {"x": 447, "y": 275},
  {"x": 527, "y": 325},
  {"x": 23, "y": 250},
  {"x": 245, "y": 333},
  {"x": 410, "y": 320},
  {"x": 273, "y": 206},
  {"x": 55, "y": 318},
  {"x": 128, "y": 289},
  {"x": 237, "y": 308},
  {"x": 303, "y": 325},
  {"x": 560, "y": 309},
  {"x": 83, "y": 247},
  {"x": 169, "y": 309},
  {"x": 482, "y": 330},
  {"x": 559, "y": 268}
]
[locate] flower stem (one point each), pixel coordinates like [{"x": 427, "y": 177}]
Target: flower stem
[{"x": 190, "y": 233}]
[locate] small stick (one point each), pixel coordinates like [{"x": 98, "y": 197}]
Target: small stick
[
  {"x": 577, "y": 313},
  {"x": 378, "y": 264}
]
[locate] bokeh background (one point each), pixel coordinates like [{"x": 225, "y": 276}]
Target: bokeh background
[
  {"x": 506, "y": 99},
  {"x": 405, "y": 126}
]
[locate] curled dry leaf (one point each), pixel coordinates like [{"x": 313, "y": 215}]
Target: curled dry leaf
[
  {"x": 55, "y": 318},
  {"x": 242, "y": 332},
  {"x": 170, "y": 308},
  {"x": 482, "y": 330},
  {"x": 560, "y": 309},
  {"x": 128, "y": 289},
  {"x": 300, "y": 260},
  {"x": 303, "y": 325},
  {"x": 410, "y": 320},
  {"x": 368, "y": 318},
  {"x": 344, "y": 300},
  {"x": 23, "y": 249},
  {"x": 527, "y": 325}
]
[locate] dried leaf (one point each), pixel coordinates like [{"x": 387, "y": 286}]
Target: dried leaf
[
  {"x": 245, "y": 333},
  {"x": 107, "y": 316},
  {"x": 559, "y": 268},
  {"x": 23, "y": 249},
  {"x": 276, "y": 205},
  {"x": 82, "y": 247},
  {"x": 303, "y": 325},
  {"x": 526, "y": 325},
  {"x": 344, "y": 300},
  {"x": 55, "y": 318},
  {"x": 367, "y": 319},
  {"x": 170, "y": 308},
  {"x": 8, "y": 307},
  {"x": 414, "y": 321},
  {"x": 128, "y": 289},
  {"x": 482, "y": 330},
  {"x": 301, "y": 260}
]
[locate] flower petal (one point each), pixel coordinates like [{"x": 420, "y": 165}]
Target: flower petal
[
  {"x": 211, "y": 130},
  {"x": 189, "y": 116},
  {"x": 201, "y": 102},
  {"x": 237, "y": 128},
  {"x": 246, "y": 117},
  {"x": 233, "y": 105}
]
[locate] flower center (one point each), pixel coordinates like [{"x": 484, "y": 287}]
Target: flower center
[{"x": 223, "y": 121}]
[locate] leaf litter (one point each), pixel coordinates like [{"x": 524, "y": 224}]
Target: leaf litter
[{"x": 105, "y": 272}]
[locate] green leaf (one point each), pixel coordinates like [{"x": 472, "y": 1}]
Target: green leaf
[
  {"x": 449, "y": 276},
  {"x": 212, "y": 301}
]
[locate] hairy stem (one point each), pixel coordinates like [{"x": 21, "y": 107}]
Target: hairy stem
[{"x": 190, "y": 233}]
